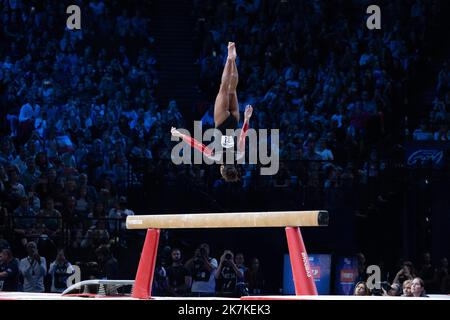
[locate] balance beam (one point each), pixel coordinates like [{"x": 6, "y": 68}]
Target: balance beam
[{"x": 230, "y": 220}]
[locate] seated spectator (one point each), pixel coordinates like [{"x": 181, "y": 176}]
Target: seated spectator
[
  {"x": 325, "y": 151},
  {"x": 31, "y": 175},
  {"x": 9, "y": 271},
  {"x": 418, "y": 288},
  {"x": 91, "y": 193},
  {"x": 179, "y": 279},
  {"x": 69, "y": 214},
  {"x": 202, "y": 270},
  {"x": 407, "y": 288},
  {"x": 361, "y": 289},
  {"x": 98, "y": 213},
  {"x": 15, "y": 189},
  {"x": 24, "y": 218},
  {"x": 120, "y": 212},
  {"x": 35, "y": 202},
  {"x": 50, "y": 219},
  {"x": 83, "y": 204},
  {"x": 96, "y": 236},
  {"x": 33, "y": 269},
  {"x": 59, "y": 271},
  {"x": 4, "y": 218}
]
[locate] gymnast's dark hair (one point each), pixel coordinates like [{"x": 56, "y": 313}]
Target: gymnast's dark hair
[{"x": 230, "y": 173}]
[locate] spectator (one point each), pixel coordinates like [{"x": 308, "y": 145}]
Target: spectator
[
  {"x": 91, "y": 193},
  {"x": 31, "y": 175},
  {"x": 428, "y": 274},
  {"x": 160, "y": 282},
  {"x": 97, "y": 214},
  {"x": 60, "y": 270},
  {"x": 202, "y": 270},
  {"x": 407, "y": 288},
  {"x": 179, "y": 279},
  {"x": 83, "y": 204},
  {"x": 50, "y": 219},
  {"x": 9, "y": 271},
  {"x": 33, "y": 269},
  {"x": 15, "y": 189},
  {"x": 228, "y": 275},
  {"x": 96, "y": 236},
  {"x": 107, "y": 264},
  {"x": 361, "y": 289},
  {"x": 405, "y": 273},
  {"x": 241, "y": 285},
  {"x": 24, "y": 218},
  {"x": 119, "y": 212},
  {"x": 393, "y": 290},
  {"x": 443, "y": 276},
  {"x": 255, "y": 279},
  {"x": 418, "y": 288}
]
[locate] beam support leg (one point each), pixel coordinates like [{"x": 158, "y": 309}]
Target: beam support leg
[
  {"x": 301, "y": 270},
  {"x": 144, "y": 277}
]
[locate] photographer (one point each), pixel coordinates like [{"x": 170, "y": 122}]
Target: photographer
[
  {"x": 33, "y": 269},
  {"x": 229, "y": 274},
  {"x": 405, "y": 273},
  {"x": 202, "y": 268},
  {"x": 60, "y": 270}
]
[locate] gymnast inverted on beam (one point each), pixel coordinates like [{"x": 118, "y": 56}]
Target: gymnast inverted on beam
[{"x": 226, "y": 116}]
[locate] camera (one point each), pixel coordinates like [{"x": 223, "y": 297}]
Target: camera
[
  {"x": 228, "y": 256},
  {"x": 203, "y": 252},
  {"x": 386, "y": 286}
]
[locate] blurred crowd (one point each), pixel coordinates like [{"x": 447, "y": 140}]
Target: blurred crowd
[
  {"x": 313, "y": 70},
  {"x": 75, "y": 107},
  {"x": 436, "y": 126}
]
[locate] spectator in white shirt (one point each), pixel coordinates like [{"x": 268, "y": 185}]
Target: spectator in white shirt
[
  {"x": 33, "y": 268},
  {"x": 325, "y": 151}
]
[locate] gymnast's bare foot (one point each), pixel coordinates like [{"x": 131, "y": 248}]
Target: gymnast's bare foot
[{"x": 232, "y": 51}]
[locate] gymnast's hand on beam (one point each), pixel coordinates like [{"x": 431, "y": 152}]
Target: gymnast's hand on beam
[
  {"x": 248, "y": 112},
  {"x": 175, "y": 132}
]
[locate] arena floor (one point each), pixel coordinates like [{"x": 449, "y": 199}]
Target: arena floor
[{"x": 53, "y": 296}]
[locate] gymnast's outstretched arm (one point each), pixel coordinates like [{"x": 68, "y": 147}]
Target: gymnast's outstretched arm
[
  {"x": 247, "y": 115},
  {"x": 192, "y": 142}
]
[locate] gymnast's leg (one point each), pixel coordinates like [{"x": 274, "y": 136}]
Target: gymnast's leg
[
  {"x": 222, "y": 103},
  {"x": 234, "y": 106}
]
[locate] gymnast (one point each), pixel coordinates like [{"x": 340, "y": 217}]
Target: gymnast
[{"x": 226, "y": 116}]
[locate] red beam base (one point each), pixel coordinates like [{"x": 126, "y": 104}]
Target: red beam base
[
  {"x": 301, "y": 270},
  {"x": 144, "y": 277}
]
